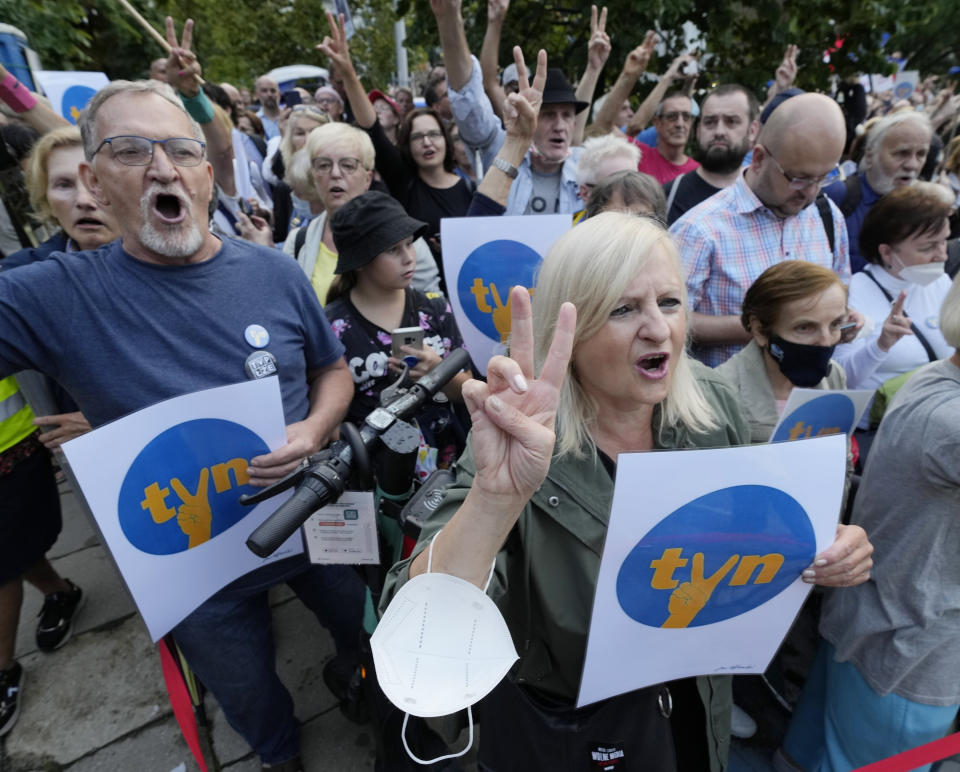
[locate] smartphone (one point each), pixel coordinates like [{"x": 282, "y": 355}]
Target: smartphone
[
  {"x": 292, "y": 97},
  {"x": 405, "y": 336},
  {"x": 245, "y": 207}
]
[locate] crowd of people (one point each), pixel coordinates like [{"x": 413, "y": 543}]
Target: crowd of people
[{"x": 723, "y": 250}]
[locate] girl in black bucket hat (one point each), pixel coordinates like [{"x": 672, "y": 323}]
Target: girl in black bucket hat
[{"x": 370, "y": 298}]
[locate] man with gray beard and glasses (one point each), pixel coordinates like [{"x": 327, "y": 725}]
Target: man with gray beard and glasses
[{"x": 168, "y": 310}]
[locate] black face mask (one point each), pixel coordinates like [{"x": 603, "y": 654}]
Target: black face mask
[{"x": 803, "y": 365}]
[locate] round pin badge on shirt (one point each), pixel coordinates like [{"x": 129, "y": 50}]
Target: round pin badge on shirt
[
  {"x": 933, "y": 322},
  {"x": 256, "y": 335}
]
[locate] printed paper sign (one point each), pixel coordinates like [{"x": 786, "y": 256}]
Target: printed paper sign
[
  {"x": 483, "y": 258},
  {"x": 69, "y": 92},
  {"x": 704, "y": 578},
  {"x": 344, "y": 532},
  {"x": 818, "y": 413},
  {"x": 164, "y": 485}
]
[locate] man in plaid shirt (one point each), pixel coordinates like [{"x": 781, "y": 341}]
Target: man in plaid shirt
[{"x": 727, "y": 241}]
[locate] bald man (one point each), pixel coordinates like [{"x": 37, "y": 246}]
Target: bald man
[
  {"x": 763, "y": 218},
  {"x": 268, "y": 95}
]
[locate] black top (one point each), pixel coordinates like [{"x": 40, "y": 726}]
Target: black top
[{"x": 693, "y": 189}]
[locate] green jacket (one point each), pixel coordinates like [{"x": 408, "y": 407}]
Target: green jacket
[{"x": 547, "y": 570}]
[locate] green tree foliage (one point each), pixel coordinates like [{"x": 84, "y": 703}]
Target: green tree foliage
[{"x": 239, "y": 39}]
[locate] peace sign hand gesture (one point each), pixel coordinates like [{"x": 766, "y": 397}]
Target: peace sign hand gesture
[
  {"x": 598, "y": 48},
  {"x": 335, "y": 46},
  {"x": 183, "y": 67},
  {"x": 513, "y": 413}
]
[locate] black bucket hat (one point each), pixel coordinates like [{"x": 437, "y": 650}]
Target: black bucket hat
[
  {"x": 557, "y": 90},
  {"x": 370, "y": 224}
]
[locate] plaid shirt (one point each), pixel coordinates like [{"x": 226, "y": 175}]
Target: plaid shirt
[{"x": 727, "y": 241}]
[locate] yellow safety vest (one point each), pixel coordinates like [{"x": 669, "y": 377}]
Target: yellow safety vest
[{"x": 16, "y": 417}]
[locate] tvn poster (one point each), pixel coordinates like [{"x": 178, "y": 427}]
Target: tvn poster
[
  {"x": 69, "y": 92},
  {"x": 483, "y": 258},
  {"x": 703, "y": 578},
  {"x": 164, "y": 485}
]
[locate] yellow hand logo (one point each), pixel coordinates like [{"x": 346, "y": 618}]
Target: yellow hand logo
[
  {"x": 689, "y": 598},
  {"x": 193, "y": 515}
]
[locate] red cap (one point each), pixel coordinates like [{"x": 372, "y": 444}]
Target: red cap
[{"x": 376, "y": 94}]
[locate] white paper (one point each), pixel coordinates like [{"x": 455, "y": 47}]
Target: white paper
[
  {"x": 344, "y": 532},
  {"x": 483, "y": 258},
  {"x": 110, "y": 464},
  {"x": 818, "y": 413},
  {"x": 69, "y": 92},
  {"x": 794, "y": 488}
]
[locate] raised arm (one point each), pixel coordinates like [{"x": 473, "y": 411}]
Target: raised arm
[
  {"x": 453, "y": 39},
  {"x": 513, "y": 417},
  {"x": 490, "y": 53},
  {"x": 337, "y": 50},
  {"x": 633, "y": 67},
  {"x": 26, "y": 104},
  {"x": 644, "y": 114},
  {"x": 183, "y": 71},
  {"x": 520, "y": 121},
  {"x": 598, "y": 51}
]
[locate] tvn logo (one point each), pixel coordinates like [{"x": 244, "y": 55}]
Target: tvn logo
[
  {"x": 485, "y": 280},
  {"x": 716, "y": 557},
  {"x": 183, "y": 488}
]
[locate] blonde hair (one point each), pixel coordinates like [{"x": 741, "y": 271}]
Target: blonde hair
[
  {"x": 298, "y": 175},
  {"x": 333, "y": 133},
  {"x": 286, "y": 143},
  {"x": 592, "y": 266},
  {"x": 950, "y": 315},
  {"x": 38, "y": 175}
]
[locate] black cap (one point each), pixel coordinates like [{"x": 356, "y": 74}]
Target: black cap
[
  {"x": 778, "y": 100},
  {"x": 557, "y": 90},
  {"x": 370, "y": 224}
]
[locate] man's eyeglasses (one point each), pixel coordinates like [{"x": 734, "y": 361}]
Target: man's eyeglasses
[
  {"x": 325, "y": 165},
  {"x": 800, "y": 183},
  {"x": 433, "y": 135},
  {"x": 676, "y": 116},
  {"x": 138, "y": 151}
]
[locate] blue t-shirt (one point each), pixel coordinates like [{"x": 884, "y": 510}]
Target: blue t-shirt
[{"x": 121, "y": 334}]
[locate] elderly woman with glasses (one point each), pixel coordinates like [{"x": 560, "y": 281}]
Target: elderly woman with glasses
[
  {"x": 419, "y": 171},
  {"x": 338, "y": 159}
]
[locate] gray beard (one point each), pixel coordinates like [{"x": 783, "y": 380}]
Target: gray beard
[{"x": 179, "y": 241}]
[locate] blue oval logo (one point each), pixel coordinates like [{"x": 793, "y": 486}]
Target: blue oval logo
[
  {"x": 73, "y": 101},
  {"x": 485, "y": 280},
  {"x": 183, "y": 488},
  {"x": 820, "y": 417},
  {"x": 716, "y": 557}
]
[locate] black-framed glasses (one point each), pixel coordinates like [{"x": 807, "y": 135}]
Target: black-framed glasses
[
  {"x": 800, "y": 183},
  {"x": 138, "y": 151},
  {"x": 323, "y": 165}
]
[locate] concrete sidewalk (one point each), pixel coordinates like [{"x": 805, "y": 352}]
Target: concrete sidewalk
[{"x": 99, "y": 704}]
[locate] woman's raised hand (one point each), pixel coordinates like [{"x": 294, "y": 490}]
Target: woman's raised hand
[
  {"x": 896, "y": 325},
  {"x": 513, "y": 413}
]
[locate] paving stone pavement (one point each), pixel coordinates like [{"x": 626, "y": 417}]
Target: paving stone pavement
[{"x": 99, "y": 703}]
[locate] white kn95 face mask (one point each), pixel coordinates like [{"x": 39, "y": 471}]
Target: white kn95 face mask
[{"x": 441, "y": 646}]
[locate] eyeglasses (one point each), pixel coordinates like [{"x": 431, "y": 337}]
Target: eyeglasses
[
  {"x": 325, "y": 165},
  {"x": 433, "y": 135},
  {"x": 328, "y": 100},
  {"x": 677, "y": 116},
  {"x": 310, "y": 111},
  {"x": 800, "y": 183},
  {"x": 138, "y": 151}
]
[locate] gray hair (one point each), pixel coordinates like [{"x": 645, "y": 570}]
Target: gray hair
[
  {"x": 596, "y": 150},
  {"x": 88, "y": 118},
  {"x": 879, "y": 130},
  {"x": 633, "y": 187}
]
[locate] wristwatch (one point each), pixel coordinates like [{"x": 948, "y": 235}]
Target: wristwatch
[{"x": 507, "y": 168}]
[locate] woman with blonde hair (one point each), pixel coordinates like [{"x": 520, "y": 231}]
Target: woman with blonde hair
[
  {"x": 602, "y": 358},
  {"x": 60, "y": 200}
]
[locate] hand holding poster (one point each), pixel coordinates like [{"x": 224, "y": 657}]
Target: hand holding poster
[
  {"x": 164, "y": 485},
  {"x": 483, "y": 258},
  {"x": 704, "y": 578}
]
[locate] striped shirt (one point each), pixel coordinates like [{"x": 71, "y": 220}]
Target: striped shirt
[{"x": 727, "y": 241}]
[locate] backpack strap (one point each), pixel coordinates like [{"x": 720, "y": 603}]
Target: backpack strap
[
  {"x": 299, "y": 240},
  {"x": 673, "y": 193},
  {"x": 826, "y": 217},
  {"x": 916, "y": 330},
  {"x": 851, "y": 195}
]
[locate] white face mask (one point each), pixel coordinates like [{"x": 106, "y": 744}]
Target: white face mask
[
  {"x": 441, "y": 646},
  {"x": 923, "y": 274}
]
